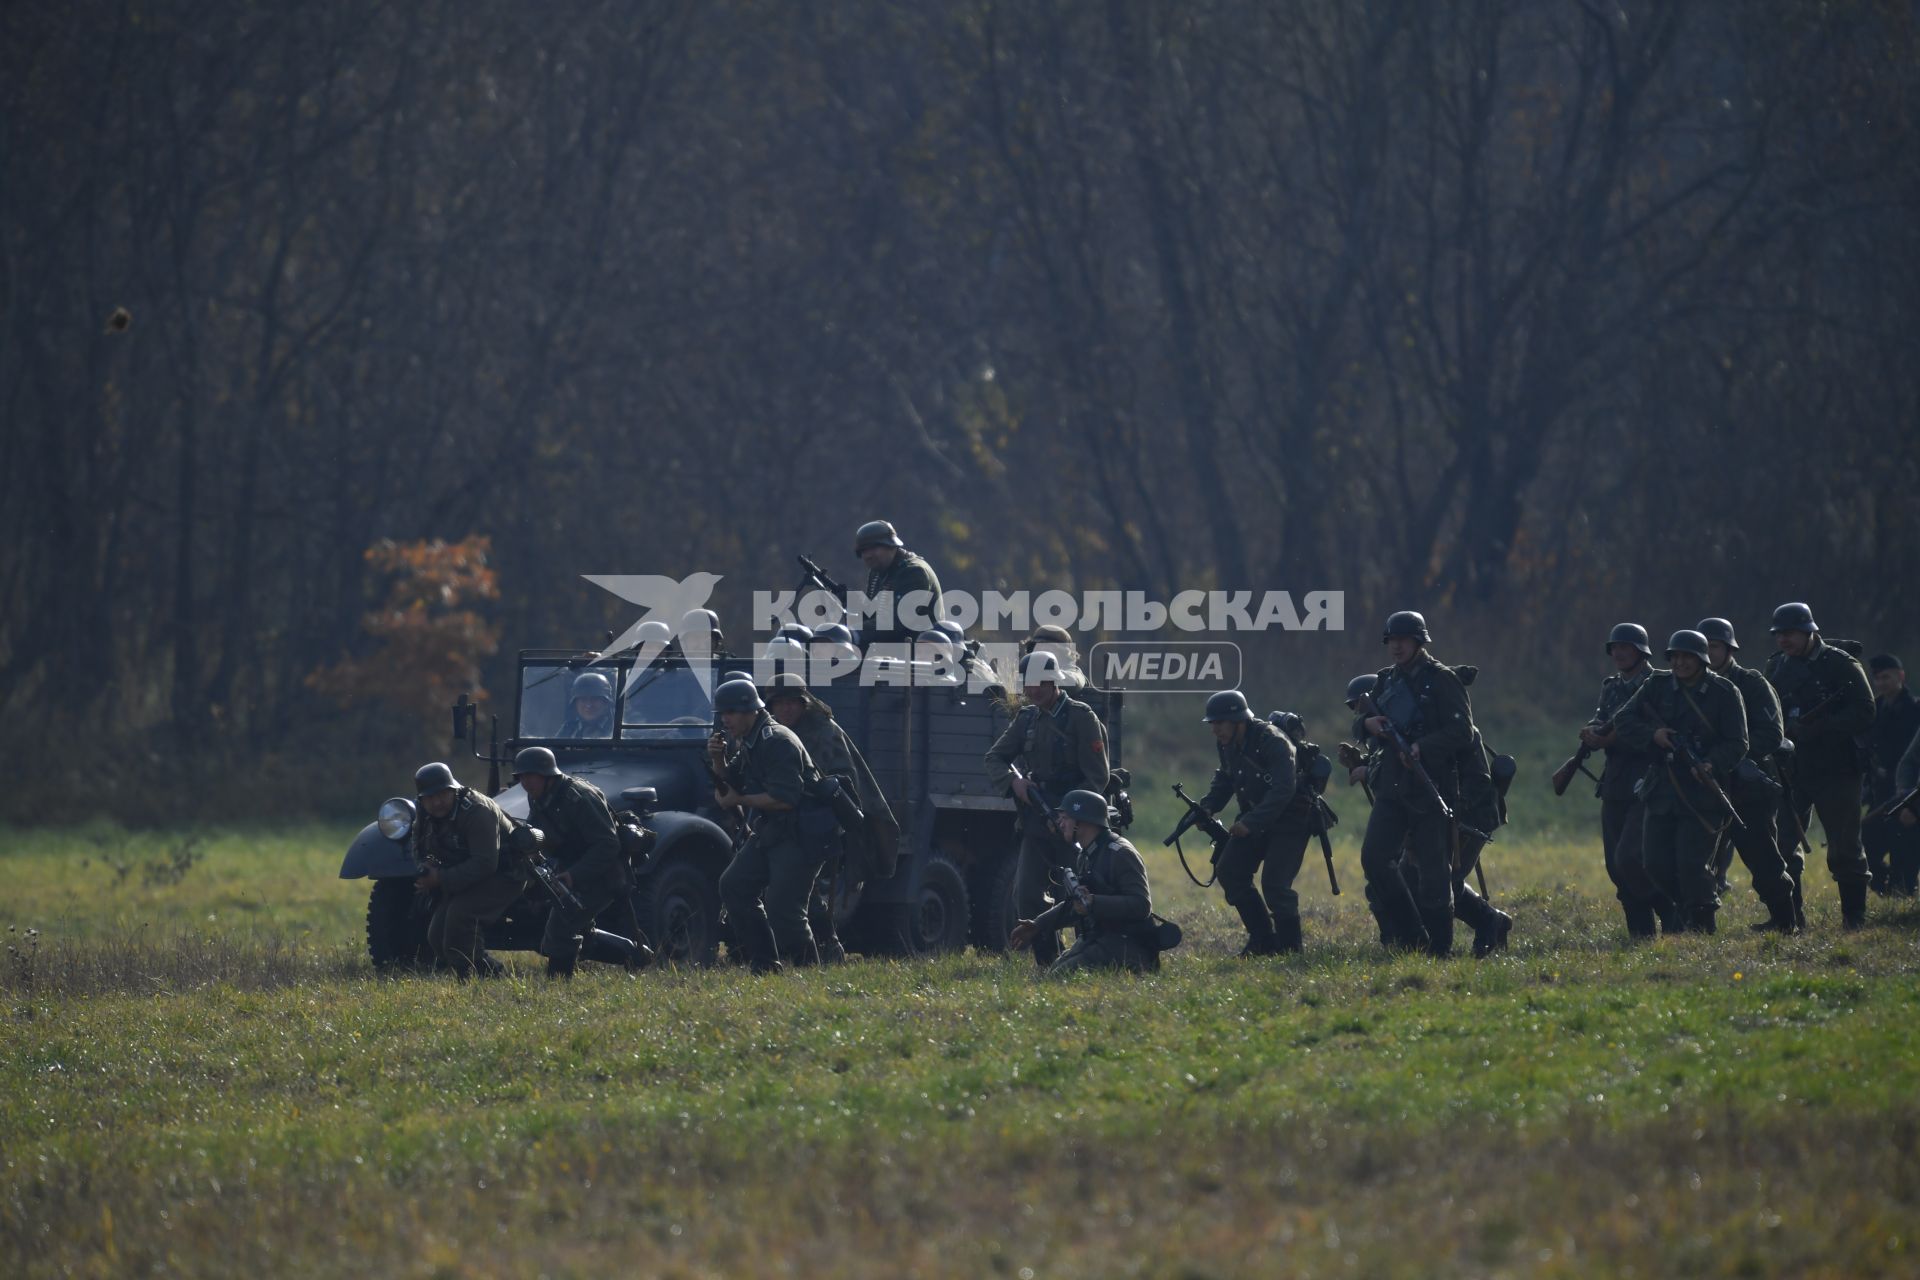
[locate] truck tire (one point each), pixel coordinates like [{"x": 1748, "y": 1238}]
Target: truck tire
[
  {"x": 934, "y": 923},
  {"x": 396, "y": 934},
  {"x": 679, "y": 907},
  {"x": 991, "y": 892}
]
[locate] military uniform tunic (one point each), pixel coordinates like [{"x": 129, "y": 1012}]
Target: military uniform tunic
[
  {"x": 1427, "y": 701},
  {"x": 1259, "y": 773},
  {"x": 1114, "y": 932},
  {"x": 1824, "y": 777},
  {"x": 581, "y": 840},
  {"x": 1683, "y": 818},
  {"x": 907, "y": 574},
  {"x": 475, "y": 889},
  {"x": 1063, "y": 748},
  {"x": 1755, "y": 791},
  {"x": 780, "y": 860}
]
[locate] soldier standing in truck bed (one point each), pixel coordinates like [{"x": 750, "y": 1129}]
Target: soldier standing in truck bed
[
  {"x": 1060, "y": 746},
  {"x": 905, "y": 582}
]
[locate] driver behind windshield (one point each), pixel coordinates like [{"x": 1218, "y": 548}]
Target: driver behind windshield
[{"x": 589, "y": 708}]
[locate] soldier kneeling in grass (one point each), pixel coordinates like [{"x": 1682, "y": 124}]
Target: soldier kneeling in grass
[{"x": 1104, "y": 896}]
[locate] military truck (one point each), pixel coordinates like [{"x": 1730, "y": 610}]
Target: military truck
[{"x": 923, "y": 740}]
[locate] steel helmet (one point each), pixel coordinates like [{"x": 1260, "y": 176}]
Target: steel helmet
[
  {"x": 1406, "y": 623},
  {"x": 1794, "y": 617},
  {"x": 536, "y": 760},
  {"x": 1228, "y": 704},
  {"x": 1038, "y": 668},
  {"x": 737, "y": 695},
  {"x": 875, "y": 533},
  {"x": 1087, "y": 806},
  {"x": 1360, "y": 685},
  {"x": 1687, "y": 642},
  {"x": 1718, "y": 629},
  {"x": 1630, "y": 633},
  {"x": 431, "y": 779}
]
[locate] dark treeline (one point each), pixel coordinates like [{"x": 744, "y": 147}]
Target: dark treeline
[{"x": 1514, "y": 309}]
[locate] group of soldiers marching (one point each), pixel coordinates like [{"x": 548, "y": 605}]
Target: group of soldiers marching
[
  {"x": 1710, "y": 758},
  {"x": 1701, "y": 760}
]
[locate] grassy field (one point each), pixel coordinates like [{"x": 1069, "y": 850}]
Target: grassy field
[{"x": 200, "y": 1076}]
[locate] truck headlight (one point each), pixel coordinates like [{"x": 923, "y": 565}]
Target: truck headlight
[{"x": 396, "y": 818}]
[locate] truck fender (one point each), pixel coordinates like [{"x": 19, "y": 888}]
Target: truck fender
[
  {"x": 678, "y": 831},
  {"x": 373, "y": 855}
]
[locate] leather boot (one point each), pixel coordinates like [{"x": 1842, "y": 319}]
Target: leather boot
[
  {"x": 611, "y": 948},
  {"x": 1491, "y": 934},
  {"x": 1672, "y": 918},
  {"x": 1640, "y": 921},
  {"x": 1260, "y": 936},
  {"x": 561, "y": 963},
  {"x": 1853, "y": 905},
  {"x": 1286, "y": 934},
  {"x": 1779, "y": 917},
  {"x": 1439, "y": 933},
  {"x": 1700, "y": 919}
]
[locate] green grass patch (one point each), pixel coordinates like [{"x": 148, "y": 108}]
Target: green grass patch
[{"x": 240, "y": 1095}]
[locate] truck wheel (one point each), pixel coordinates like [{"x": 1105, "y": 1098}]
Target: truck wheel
[
  {"x": 679, "y": 906},
  {"x": 994, "y": 912},
  {"x": 396, "y": 935},
  {"x": 935, "y": 921}
]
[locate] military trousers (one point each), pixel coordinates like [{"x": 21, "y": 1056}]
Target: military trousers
[
  {"x": 454, "y": 930},
  {"x": 826, "y": 935},
  {"x": 564, "y": 926},
  {"x": 1893, "y": 853},
  {"x": 1757, "y": 844},
  {"x": 1836, "y": 801},
  {"x": 1277, "y": 855},
  {"x": 1042, "y": 854},
  {"x": 1677, "y": 849},
  {"x": 767, "y": 889},
  {"x": 1427, "y": 840},
  {"x": 1108, "y": 949}
]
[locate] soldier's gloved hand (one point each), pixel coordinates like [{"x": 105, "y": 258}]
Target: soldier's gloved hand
[
  {"x": 1238, "y": 829},
  {"x": 1663, "y": 738},
  {"x": 565, "y": 878},
  {"x": 1376, "y": 725},
  {"x": 1021, "y": 934},
  {"x": 1703, "y": 772},
  {"x": 1083, "y": 902},
  {"x": 428, "y": 881},
  {"x": 1357, "y": 776},
  {"x": 1020, "y": 789}
]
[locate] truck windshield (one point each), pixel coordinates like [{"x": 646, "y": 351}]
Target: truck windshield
[
  {"x": 665, "y": 700},
  {"x": 566, "y": 701}
]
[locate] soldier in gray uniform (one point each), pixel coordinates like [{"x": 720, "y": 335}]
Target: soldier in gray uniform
[
  {"x": 457, "y": 837},
  {"x": 1111, "y": 907},
  {"x": 1680, "y": 713},
  {"x": 1060, "y": 746},
  {"x": 871, "y": 852},
  {"x": 1755, "y": 786},
  {"x": 1622, "y": 810},
  {"x": 585, "y": 850},
  {"x": 896, "y": 574},
  {"x": 1426, "y": 702},
  {"x": 1273, "y": 826},
  {"x": 768, "y": 780},
  {"x": 1828, "y": 704}
]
